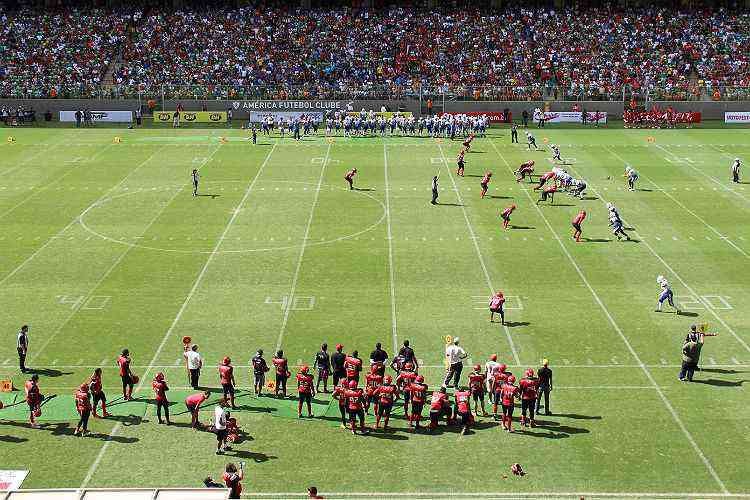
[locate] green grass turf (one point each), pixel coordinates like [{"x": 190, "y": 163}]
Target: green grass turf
[{"x": 103, "y": 247}]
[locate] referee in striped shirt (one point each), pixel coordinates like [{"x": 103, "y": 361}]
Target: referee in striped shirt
[
  {"x": 434, "y": 190},
  {"x": 22, "y": 346}
]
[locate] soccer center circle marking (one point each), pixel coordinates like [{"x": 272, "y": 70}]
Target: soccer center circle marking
[{"x": 82, "y": 220}]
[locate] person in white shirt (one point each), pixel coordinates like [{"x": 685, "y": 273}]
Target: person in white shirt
[
  {"x": 194, "y": 363},
  {"x": 220, "y": 426},
  {"x": 455, "y": 355},
  {"x": 491, "y": 367}
]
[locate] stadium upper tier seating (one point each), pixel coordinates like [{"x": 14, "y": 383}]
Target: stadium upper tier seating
[{"x": 281, "y": 52}]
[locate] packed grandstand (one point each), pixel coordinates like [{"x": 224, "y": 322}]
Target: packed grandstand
[{"x": 283, "y": 52}]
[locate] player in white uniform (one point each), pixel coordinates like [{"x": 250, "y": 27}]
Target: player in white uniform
[
  {"x": 491, "y": 367},
  {"x": 665, "y": 294},
  {"x": 556, "y": 153},
  {"x": 632, "y": 176}
]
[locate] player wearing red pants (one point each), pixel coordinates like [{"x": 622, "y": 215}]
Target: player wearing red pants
[
  {"x": 386, "y": 394},
  {"x": 577, "y": 221},
  {"x": 418, "y": 394},
  {"x": 485, "y": 183},
  {"x": 505, "y": 215}
]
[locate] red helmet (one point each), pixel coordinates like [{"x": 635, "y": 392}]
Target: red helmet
[
  {"x": 159, "y": 377},
  {"x": 374, "y": 367},
  {"x": 529, "y": 373},
  {"x": 512, "y": 379},
  {"x": 420, "y": 379},
  {"x": 387, "y": 379},
  {"x": 408, "y": 366},
  {"x": 226, "y": 360},
  {"x": 352, "y": 384},
  {"x": 477, "y": 368},
  {"x": 84, "y": 387},
  {"x": 493, "y": 357},
  {"x": 503, "y": 366},
  {"x": 339, "y": 347},
  {"x": 304, "y": 369}
]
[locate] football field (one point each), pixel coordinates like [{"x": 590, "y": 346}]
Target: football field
[{"x": 103, "y": 247}]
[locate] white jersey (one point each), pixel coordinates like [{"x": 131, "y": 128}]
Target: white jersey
[{"x": 663, "y": 283}]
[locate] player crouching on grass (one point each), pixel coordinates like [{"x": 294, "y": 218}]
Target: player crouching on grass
[
  {"x": 83, "y": 407},
  {"x": 523, "y": 170},
  {"x": 529, "y": 387},
  {"x": 349, "y": 177},
  {"x": 97, "y": 393},
  {"x": 548, "y": 192},
  {"x": 418, "y": 394},
  {"x": 439, "y": 407},
  {"x": 305, "y": 390},
  {"x": 386, "y": 395}
]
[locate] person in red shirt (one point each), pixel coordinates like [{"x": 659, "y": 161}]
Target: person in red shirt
[
  {"x": 354, "y": 403},
  {"x": 418, "y": 394},
  {"x": 125, "y": 374},
  {"x": 159, "y": 385},
  {"x": 485, "y": 183},
  {"x": 339, "y": 395},
  {"x": 497, "y": 302},
  {"x": 462, "y": 408},
  {"x": 476, "y": 384},
  {"x": 373, "y": 380},
  {"x": 524, "y": 170},
  {"x": 439, "y": 407},
  {"x": 386, "y": 395},
  {"x": 97, "y": 393},
  {"x": 509, "y": 394},
  {"x": 226, "y": 377},
  {"x": 33, "y": 399},
  {"x": 505, "y": 215},
  {"x": 577, "y": 221},
  {"x": 232, "y": 478},
  {"x": 350, "y": 177},
  {"x": 306, "y": 390},
  {"x": 282, "y": 373},
  {"x": 404, "y": 379},
  {"x": 529, "y": 388},
  {"x": 193, "y": 404},
  {"x": 497, "y": 386},
  {"x": 83, "y": 407},
  {"x": 543, "y": 179},
  {"x": 352, "y": 366},
  {"x": 461, "y": 164},
  {"x": 467, "y": 142},
  {"x": 548, "y": 192}
]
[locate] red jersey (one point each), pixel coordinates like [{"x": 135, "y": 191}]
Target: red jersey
[
  {"x": 462, "y": 401},
  {"x": 160, "y": 389},
  {"x": 418, "y": 393},
  {"x": 83, "y": 403},
  {"x": 373, "y": 381},
  {"x": 304, "y": 383},
  {"x": 460, "y": 156},
  {"x": 124, "y": 363},
  {"x": 405, "y": 378},
  {"x": 509, "y": 392},
  {"x": 232, "y": 481},
  {"x": 282, "y": 369},
  {"x": 476, "y": 382},
  {"x": 352, "y": 366},
  {"x": 195, "y": 399},
  {"x": 506, "y": 213},
  {"x": 32, "y": 392},
  {"x": 486, "y": 178},
  {"x": 226, "y": 374},
  {"x": 497, "y": 301},
  {"x": 529, "y": 165},
  {"x": 386, "y": 394},
  {"x": 339, "y": 393},
  {"x": 499, "y": 380},
  {"x": 529, "y": 388},
  {"x": 579, "y": 218},
  {"x": 547, "y": 176},
  {"x": 95, "y": 385},
  {"x": 469, "y": 139},
  {"x": 437, "y": 400},
  {"x": 551, "y": 188},
  {"x": 353, "y": 399},
  {"x": 350, "y": 175}
]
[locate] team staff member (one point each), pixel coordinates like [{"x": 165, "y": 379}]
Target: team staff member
[
  {"x": 337, "y": 365},
  {"x": 323, "y": 366},
  {"x": 513, "y": 134},
  {"x": 405, "y": 355},
  {"x": 379, "y": 357},
  {"x": 193, "y": 404},
  {"x": 22, "y": 346},
  {"x": 226, "y": 377},
  {"x": 83, "y": 407},
  {"x": 544, "y": 376},
  {"x": 125, "y": 375},
  {"x": 159, "y": 385},
  {"x": 260, "y": 367},
  {"x": 97, "y": 393},
  {"x": 455, "y": 355},
  {"x": 193, "y": 363}
]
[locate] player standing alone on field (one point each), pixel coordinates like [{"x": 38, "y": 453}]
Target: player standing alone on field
[
  {"x": 632, "y": 176},
  {"x": 125, "y": 375},
  {"x": 505, "y": 215},
  {"x": 22, "y": 346},
  {"x": 665, "y": 294},
  {"x": 434, "y": 190},
  {"x": 349, "y": 177},
  {"x": 460, "y": 163},
  {"x": 195, "y": 178},
  {"x": 485, "y": 183},
  {"x": 736, "y": 170},
  {"x": 577, "y": 221},
  {"x": 497, "y": 302}
]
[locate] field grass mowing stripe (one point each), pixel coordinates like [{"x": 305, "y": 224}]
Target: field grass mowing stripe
[
  {"x": 685, "y": 208},
  {"x": 75, "y": 220},
  {"x": 624, "y": 338},
  {"x": 394, "y": 331},
  {"x": 476, "y": 247},
  {"x": 295, "y": 278},
  {"x": 181, "y": 311},
  {"x": 39, "y": 152}
]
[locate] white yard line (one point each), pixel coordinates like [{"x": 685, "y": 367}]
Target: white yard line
[
  {"x": 626, "y": 341},
  {"x": 394, "y": 331},
  {"x": 301, "y": 256},
  {"x": 473, "y": 237},
  {"x": 682, "y": 281},
  {"x": 32, "y": 157},
  {"x": 500, "y": 495},
  {"x": 75, "y": 220},
  {"x": 181, "y": 311},
  {"x": 680, "y": 204}
]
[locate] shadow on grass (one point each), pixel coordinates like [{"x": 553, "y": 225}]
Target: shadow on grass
[
  {"x": 513, "y": 324},
  {"x": 720, "y": 383},
  {"x": 250, "y": 455},
  {"x": 47, "y": 372},
  {"x": 12, "y": 439},
  {"x": 522, "y": 227},
  {"x": 688, "y": 314}
]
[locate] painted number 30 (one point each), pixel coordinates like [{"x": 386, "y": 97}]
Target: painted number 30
[{"x": 717, "y": 302}]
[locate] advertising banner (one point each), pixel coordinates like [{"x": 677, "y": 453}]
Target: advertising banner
[
  {"x": 100, "y": 116},
  {"x": 12, "y": 479},
  {"x": 293, "y": 105},
  {"x": 737, "y": 117},
  {"x": 494, "y": 116},
  {"x": 191, "y": 116},
  {"x": 385, "y": 114},
  {"x": 574, "y": 117},
  {"x": 261, "y": 116}
]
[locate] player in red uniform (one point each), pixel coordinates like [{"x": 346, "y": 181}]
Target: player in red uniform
[
  {"x": 33, "y": 399},
  {"x": 498, "y": 379},
  {"x": 548, "y": 192},
  {"x": 544, "y": 178},
  {"x": 497, "y": 302},
  {"x": 467, "y": 142},
  {"x": 226, "y": 378},
  {"x": 462, "y": 408},
  {"x": 529, "y": 387},
  {"x": 352, "y": 366},
  {"x": 125, "y": 374},
  {"x": 193, "y": 404},
  {"x": 577, "y": 221},
  {"x": 354, "y": 403},
  {"x": 350, "y": 177},
  {"x": 509, "y": 394},
  {"x": 505, "y": 215},
  {"x": 405, "y": 377},
  {"x": 461, "y": 164},
  {"x": 476, "y": 384},
  {"x": 306, "y": 390},
  {"x": 386, "y": 394},
  {"x": 83, "y": 407},
  {"x": 524, "y": 170},
  {"x": 97, "y": 393},
  {"x": 282, "y": 373},
  {"x": 373, "y": 380},
  {"x": 418, "y": 394},
  {"x": 485, "y": 183},
  {"x": 439, "y": 406},
  {"x": 232, "y": 479},
  {"x": 159, "y": 385}
]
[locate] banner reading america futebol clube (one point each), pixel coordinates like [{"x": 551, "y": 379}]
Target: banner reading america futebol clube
[
  {"x": 293, "y": 105},
  {"x": 191, "y": 116}
]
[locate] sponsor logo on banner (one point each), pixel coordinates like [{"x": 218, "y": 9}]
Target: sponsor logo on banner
[
  {"x": 737, "y": 117},
  {"x": 100, "y": 116},
  {"x": 261, "y": 116},
  {"x": 573, "y": 116},
  {"x": 494, "y": 116},
  {"x": 293, "y": 105},
  {"x": 385, "y": 114},
  {"x": 12, "y": 479},
  {"x": 192, "y": 116}
]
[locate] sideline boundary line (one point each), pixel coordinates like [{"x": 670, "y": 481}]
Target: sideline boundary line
[{"x": 394, "y": 331}]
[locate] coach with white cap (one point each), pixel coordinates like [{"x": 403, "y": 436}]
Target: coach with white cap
[{"x": 455, "y": 355}]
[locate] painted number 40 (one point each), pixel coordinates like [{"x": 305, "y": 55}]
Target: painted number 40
[
  {"x": 299, "y": 303},
  {"x": 84, "y": 301},
  {"x": 716, "y": 302}
]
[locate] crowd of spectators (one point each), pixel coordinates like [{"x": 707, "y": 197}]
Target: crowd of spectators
[{"x": 289, "y": 52}]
